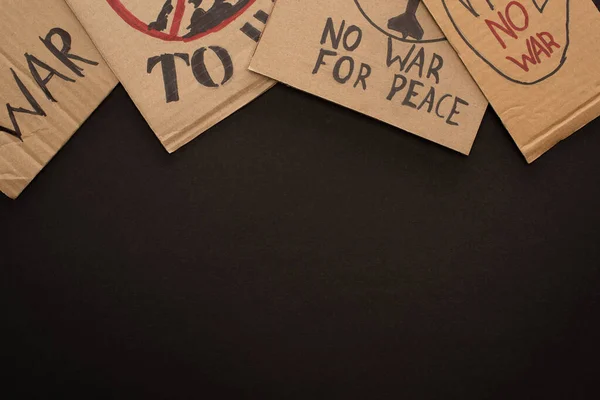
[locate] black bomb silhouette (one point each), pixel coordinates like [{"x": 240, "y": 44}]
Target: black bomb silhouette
[
  {"x": 203, "y": 19},
  {"x": 405, "y": 20},
  {"x": 407, "y": 23},
  {"x": 525, "y": 41}
]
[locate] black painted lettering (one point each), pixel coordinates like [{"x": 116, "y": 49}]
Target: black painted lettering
[
  {"x": 410, "y": 93},
  {"x": 167, "y": 62},
  {"x": 419, "y": 61},
  {"x": 429, "y": 99},
  {"x": 333, "y": 36},
  {"x": 401, "y": 62},
  {"x": 201, "y": 72},
  {"x": 455, "y": 111},
  {"x": 63, "y": 54},
  {"x": 34, "y": 63},
  {"x": 395, "y": 86},
  {"x": 351, "y": 30},
  {"x": 36, "y": 109},
  {"x": 338, "y": 66},
  {"x": 363, "y": 74},
  {"x": 320, "y": 60},
  {"x": 437, "y": 108},
  {"x": 437, "y": 62}
]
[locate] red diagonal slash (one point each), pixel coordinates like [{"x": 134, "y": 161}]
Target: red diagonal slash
[
  {"x": 173, "y": 34},
  {"x": 177, "y": 17}
]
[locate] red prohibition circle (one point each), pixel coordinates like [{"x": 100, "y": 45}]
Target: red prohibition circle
[{"x": 172, "y": 35}]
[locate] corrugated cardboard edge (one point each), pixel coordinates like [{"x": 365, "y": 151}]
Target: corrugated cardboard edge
[
  {"x": 176, "y": 140},
  {"x": 550, "y": 136},
  {"x": 466, "y": 151},
  {"x": 15, "y": 183},
  {"x": 561, "y": 130},
  {"x": 234, "y": 103}
]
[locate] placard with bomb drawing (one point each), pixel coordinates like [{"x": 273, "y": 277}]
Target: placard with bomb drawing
[{"x": 385, "y": 59}]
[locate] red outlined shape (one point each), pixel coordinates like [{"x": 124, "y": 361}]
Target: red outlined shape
[{"x": 172, "y": 35}]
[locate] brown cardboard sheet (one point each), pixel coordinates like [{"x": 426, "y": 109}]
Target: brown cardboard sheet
[
  {"x": 535, "y": 60},
  {"x": 183, "y": 62},
  {"x": 51, "y": 79},
  {"x": 386, "y": 59}
]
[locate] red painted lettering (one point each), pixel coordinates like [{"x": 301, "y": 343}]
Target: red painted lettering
[
  {"x": 538, "y": 49},
  {"x": 548, "y": 41},
  {"x": 525, "y": 58},
  {"x": 523, "y": 11},
  {"x": 504, "y": 28},
  {"x": 507, "y": 24}
]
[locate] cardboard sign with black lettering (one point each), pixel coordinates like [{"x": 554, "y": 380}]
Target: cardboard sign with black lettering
[
  {"x": 386, "y": 59},
  {"x": 535, "y": 60},
  {"x": 183, "y": 62},
  {"x": 51, "y": 79}
]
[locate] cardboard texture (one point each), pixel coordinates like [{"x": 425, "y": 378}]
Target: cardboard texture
[
  {"x": 52, "y": 78},
  {"x": 386, "y": 59},
  {"x": 183, "y": 62},
  {"x": 535, "y": 60}
]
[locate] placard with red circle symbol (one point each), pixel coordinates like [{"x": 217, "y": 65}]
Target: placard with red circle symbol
[
  {"x": 216, "y": 17},
  {"x": 181, "y": 83}
]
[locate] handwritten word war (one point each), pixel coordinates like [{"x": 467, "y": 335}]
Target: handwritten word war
[
  {"x": 513, "y": 20},
  {"x": 408, "y": 92},
  {"x": 445, "y": 106},
  {"x": 36, "y": 68}
]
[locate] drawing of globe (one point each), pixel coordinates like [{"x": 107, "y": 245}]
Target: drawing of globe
[
  {"x": 405, "y": 20},
  {"x": 179, "y": 20}
]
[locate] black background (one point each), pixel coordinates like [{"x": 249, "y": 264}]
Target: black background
[{"x": 300, "y": 250}]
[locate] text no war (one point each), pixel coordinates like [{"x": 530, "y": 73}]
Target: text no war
[{"x": 409, "y": 92}]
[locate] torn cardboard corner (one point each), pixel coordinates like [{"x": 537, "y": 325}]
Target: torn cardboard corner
[
  {"x": 386, "y": 59},
  {"x": 52, "y": 79},
  {"x": 183, "y": 62},
  {"x": 535, "y": 60}
]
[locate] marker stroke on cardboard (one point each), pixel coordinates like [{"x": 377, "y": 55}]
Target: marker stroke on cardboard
[
  {"x": 385, "y": 59},
  {"x": 183, "y": 62},
  {"x": 534, "y": 61},
  {"x": 53, "y": 79}
]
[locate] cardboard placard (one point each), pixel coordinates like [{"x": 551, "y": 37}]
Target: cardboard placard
[
  {"x": 386, "y": 59},
  {"x": 52, "y": 78},
  {"x": 183, "y": 62},
  {"x": 535, "y": 60}
]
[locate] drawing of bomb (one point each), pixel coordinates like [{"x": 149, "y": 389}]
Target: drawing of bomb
[
  {"x": 407, "y": 23},
  {"x": 525, "y": 41},
  {"x": 404, "y": 20}
]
